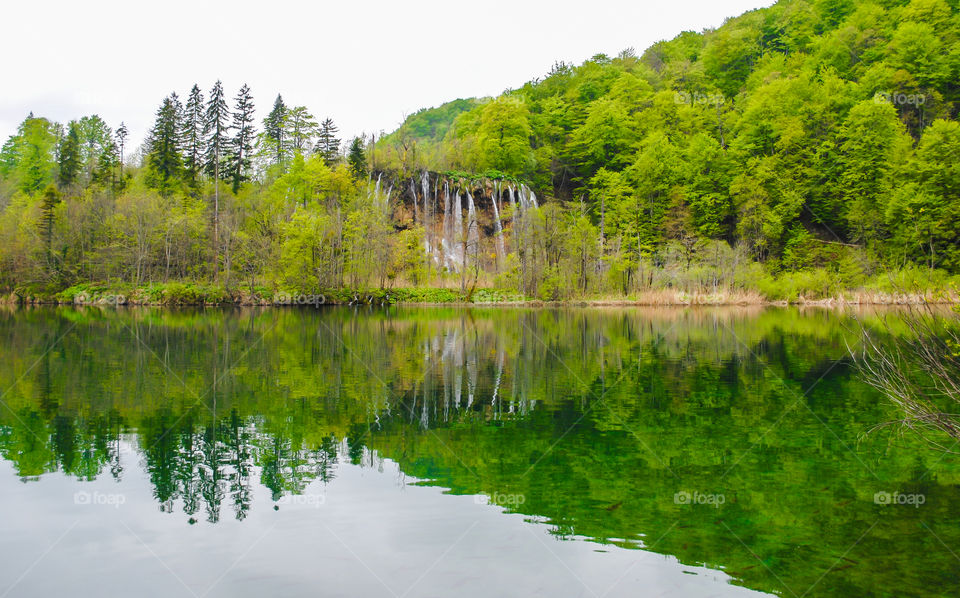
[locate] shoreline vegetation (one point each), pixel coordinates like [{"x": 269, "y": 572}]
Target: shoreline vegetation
[
  {"x": 199, "y": 294},
  {"x": 803, "y": 153}
]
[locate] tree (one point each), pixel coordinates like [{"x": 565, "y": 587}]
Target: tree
[
  {"x": 357, "y": 159},
  {"x": 873, "y": 142},
  {"x": 95, "y": 136},
  {"x": 503, "y": 137},
  {"x": 163, "y": 143},
  {"x": 274, "y": 129},
  {"x": 215, "y": 130},
  {"x": 328, "y": 145},
  {"x": 69, "y": 158},
  {"x": 28, "y": 158},
  {"x": 193, "y": 138},
  {"x": 48, "y": 205},
  {"x": 121, "y": 135},
  {"x": 105, "y": 172},
  {"x": 241, "y": 146},
  {"x": 301, "y": 128},
  {"x": 605, "y": 138}
]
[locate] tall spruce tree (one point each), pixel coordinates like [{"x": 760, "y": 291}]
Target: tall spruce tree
[
  {"x": 193, "y": 137},
  {"x": 328, "y": 145},
  {"x": 357, "y": 158},
  {"x": 69, "y": 158},
  {"x": 48, "y": 206},
  {"x": 105, "y": 174},
  {"x": 121, "y": 134},
  {"x": 241, "y": 146},
  {"x": 216, "y": 128},
  {"x": 274, "y": 130},
  {"x": 164, "y": 144}
]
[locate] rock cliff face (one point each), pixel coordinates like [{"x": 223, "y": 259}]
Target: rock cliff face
[{"x": 465, "y": 221}]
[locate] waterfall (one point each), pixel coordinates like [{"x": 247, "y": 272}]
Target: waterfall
[
  {"x": 458, "y": 228},
  {"x": 432, "y": 231},
  {"x": 451, "y": 230},
  {"x": 498, "y": 229},
  {"x": 416, "y": 210},
  {"x": 473, "y": 231},
  {"x": 425, "y": 187}
]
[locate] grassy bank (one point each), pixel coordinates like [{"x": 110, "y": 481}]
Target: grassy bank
[{"x": 887, "y": 291}]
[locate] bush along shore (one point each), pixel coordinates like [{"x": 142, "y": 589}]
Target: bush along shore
[{"x": 210, "y": 294}]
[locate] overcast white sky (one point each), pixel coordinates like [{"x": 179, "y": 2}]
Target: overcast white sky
[{"x": 365, "y": 64}]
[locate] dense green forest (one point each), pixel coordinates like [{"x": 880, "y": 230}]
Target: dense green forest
[{"x": 799, "y": 150}]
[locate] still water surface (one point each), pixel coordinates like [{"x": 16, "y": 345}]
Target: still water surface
[{"x": 455, "y": 452}]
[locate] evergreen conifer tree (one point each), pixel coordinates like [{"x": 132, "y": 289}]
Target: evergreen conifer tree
[{"x": 241, "y": 146}]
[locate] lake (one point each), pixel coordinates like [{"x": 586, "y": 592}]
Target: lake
[{"x": 596, "y": 452}]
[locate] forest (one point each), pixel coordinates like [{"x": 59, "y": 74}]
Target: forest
[{"x": 806, "y": 150}]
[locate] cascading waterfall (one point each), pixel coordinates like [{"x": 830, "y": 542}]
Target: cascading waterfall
[
  {"x": 447, "y": 245},
  {"x": 416, "y": 209},
  {"x": 457, "y": 229},
  {"x": 437, "y": 252},
  {"x": 452, "y": 229},
  {"x": 425, "y": 187},
  {"x": 473, "y": 230},
  {"x": 498, "y": 229}
]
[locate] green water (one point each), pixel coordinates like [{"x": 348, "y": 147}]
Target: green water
[{"x": 442, "y": 452}]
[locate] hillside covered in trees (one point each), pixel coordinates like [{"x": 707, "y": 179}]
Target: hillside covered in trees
[{"x": 799, "y": 150}]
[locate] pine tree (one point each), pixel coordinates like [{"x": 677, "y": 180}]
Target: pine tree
[
  {"x": 193, "y": 138},
  {"x": 163, "y": 146},
  {"x": 121, "y": 135},
  {"x": 274, "y": 129},
  {"x": 215, "y": 130},
  {"x": 69, "y": 158},
  {"x": 48, "y": 205},
  {"x": 328, "y": 145},
  {"x": 357, "y": 158},
  {"x": 105, "y": 172},
  {"x": 241, "y": 146}
]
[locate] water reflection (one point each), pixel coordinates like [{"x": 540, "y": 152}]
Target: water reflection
[{"x": 728, "y": 438}]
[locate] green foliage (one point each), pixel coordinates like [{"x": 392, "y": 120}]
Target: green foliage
[
  {"x": 812, "y": 136},
  {"x": 69, "y": 158},
  {"x": 27, "y": 159},
  {"x": 357, "y": 159}
]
